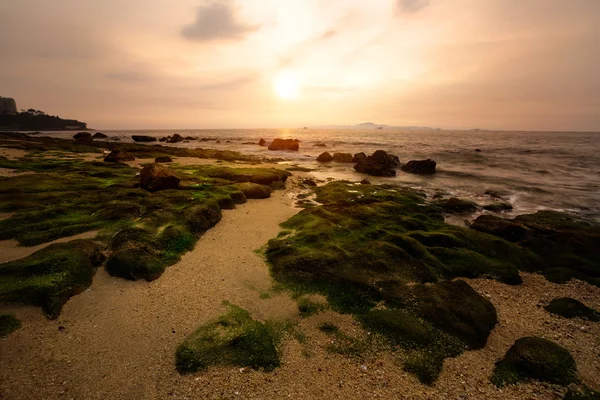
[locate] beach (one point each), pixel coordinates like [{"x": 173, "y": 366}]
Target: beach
[{"x": 117, "y": 339}]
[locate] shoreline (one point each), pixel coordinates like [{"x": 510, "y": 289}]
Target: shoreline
[{"x": 117, "y": 339}]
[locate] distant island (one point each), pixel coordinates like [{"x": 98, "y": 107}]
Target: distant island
[
  {"x": 33, "y": 120},
  {"x": 370, "y": 125}
]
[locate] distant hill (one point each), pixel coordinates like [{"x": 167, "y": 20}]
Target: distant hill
[
  {"x": 35, "y": 120},
  {"x": 370, "y": 125}
]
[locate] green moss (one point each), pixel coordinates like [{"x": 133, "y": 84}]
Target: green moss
[
  {"x": 571, "y": 308},
  {"x": 537, "y": 359},
  {"x": 232, "y": 339},
  {"x": 8, "y": 324},
  {"x": 581, "y": 392},
  {"x": 49, "y": 277},
  {"x": 308, "y": 307},
  {"x": 328, "y": 327}
]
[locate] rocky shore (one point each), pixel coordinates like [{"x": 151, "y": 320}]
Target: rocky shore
[{"x": 189, "y": 287}]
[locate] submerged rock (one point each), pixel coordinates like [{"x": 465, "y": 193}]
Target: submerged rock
[
  {"x": 421, "y": 167},
  {"x": 320, "y": 145},
  {"x": 342, "y": 157},
  {"x": 119, "y": 156},
  {"x": 325, "y": 157},
  {"x": 143, "y": 138},
  {"x": 379, "y": 163},
  {"x": 155, "y": 177},
  {"x": 455, "y": 205},
  {"x": 498, "y": 207},
  {"x": 285, "y": 144},
  {"x": 535, "y": 358}
]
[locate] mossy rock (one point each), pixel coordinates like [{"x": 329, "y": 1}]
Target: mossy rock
[
  {"x": 580, "y": 392},
  {"x": 134, "y": 264},
  {"x": 201, "y": 218},
  {"x": 566, "y": 244},
  {"x": 232, "y": 339},
  {"x": 457, "y": 206},
  {"x": 8, "y": 324},
  {"x": 571, "y": 308},
  {"x": 537, "y": 359},
  {"x": 49, "y": 277}
]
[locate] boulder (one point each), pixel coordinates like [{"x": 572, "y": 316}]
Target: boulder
[
  {"x": 143, "y": 138},
  {"x": 119, "y": 156},
  {"x": 176, "y": 138},
  {"x": 535, "y": 358},
  {"x": 571, "y": 308},
  {"x": 262, "y": 142},
  {"x": 134, "y": 264},
  {"x": 163, "y": 159},
  {"x": 320, "y": 145},
  {"x": 163, "y": 139},
  {"x": 155, "y": 177},
  {"x": 325, "y": 157},
  {"x": 358, "y": 157},
  {"x": 254, "y": 190},
  {"x": 421, "y": 167},
  {"x": 342, "y": 157},
  {"x": 309, "y": 182},
  {"x": 285, "y": 144},
  {"x": 504, "y": 228},
  {"x": 190, "y": 138},
  {"x": 498, "y": 207},
  {"x": 83, "y": 138},
  {"x": 380, "y": 163},
  {"x": 99, "y": 135},
  {"x": 365, "y": 182}
]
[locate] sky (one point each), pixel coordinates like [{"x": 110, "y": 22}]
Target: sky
[{"x": 159, "y": 64}]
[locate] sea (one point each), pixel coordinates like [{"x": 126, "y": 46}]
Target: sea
[{"x": 530, "y": 170}]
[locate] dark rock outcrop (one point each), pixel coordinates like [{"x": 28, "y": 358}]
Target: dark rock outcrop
[
  {"x": 498, "y": 207},
  {"x": 421, "y": 167},
  {"x": 285, "y": 144},
  {"x": 163, "y": 159},
  {"x": 83, "y": 138},
  {"x": 320, "y": 145},
  {"x": 309, "y": 182},
  {"x": 457, "y": 206},
  {"x": 358, "y": 157},
  {"x": 119, "y": 156},
  {"x": 535, "y": 358},
  {"x": 262, "y": 142},
  {"x": 143, "y": 138},
  {"x": 155, "y": 177},
  {"x": 325, "y": 157},
  {"x": 176, "y": 138},
  {"x": 380, "y": 163},
  {"x": 99, "y": 135},
  {"x": 254, "y": 190},
  {"x": 342, "y": 157},
  {"x": 571, "y": 308}
]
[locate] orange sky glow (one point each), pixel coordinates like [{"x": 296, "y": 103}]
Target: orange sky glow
[{"x": 518, "y": 65}]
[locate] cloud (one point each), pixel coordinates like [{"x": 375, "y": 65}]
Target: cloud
[
  {"x": 217, "y": 20},
  {"x": 411, "y": 6},
  {"x": 230, "y": 84}
]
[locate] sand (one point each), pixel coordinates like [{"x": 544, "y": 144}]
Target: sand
[
  {"x": 117, "y": 340},
  {"x": 11, "y": 250}
]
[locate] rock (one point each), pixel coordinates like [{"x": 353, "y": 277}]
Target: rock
[
  {"x": 379, "y": 163},
  {"x": 309, "y": 182},
  {"x": 83, "y": 138},
  {"x": 262, "y": 142},
  {"x": 202, "y": 217},
  {"x": 176, "y": 138},
  {"x": 119, "y": 156},
  {"x": 478, "y": 150},
  {"x": 285, "y": 144},
  {"x": 498, "y": 207},
  {"x": 501, "y": 227},
  {"x": 190, "y": 138},
  {"x": 421, "y": 167},
  {"x": 155, "y": 177},
  {"x": 163, "y": 139},
  {"x": 358, "y": 157},
  {"x": 493, "y": 194},
  {"x": 163, "y": 159},
  {"x": 254, "y": 190},
  {"x": 535, "y": 358},
  {"x": 325, "y": 157},
  {"x": 342, "y": 157},
  {"x": 143, "y": 138},
  {"x": 457, "y": 206},
  {"x": 134, "y": 264},
  {"x": 365, "y": 182},
  {"x": 571, "y": 308},
  {"x": 581, "y": 392},
  {"x": 320, "y": 145},
  {"x": 99, "y": 135}
]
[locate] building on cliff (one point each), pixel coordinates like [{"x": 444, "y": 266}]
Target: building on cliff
[{"x": 8, "y": 106}]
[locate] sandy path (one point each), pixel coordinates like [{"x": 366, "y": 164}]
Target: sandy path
[{"x": 11, "y": 250}]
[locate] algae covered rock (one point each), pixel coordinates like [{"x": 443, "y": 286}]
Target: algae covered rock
[
  {"x": 232, "y": 339},
  {"x": 455, "y": 205},
  {"x": 535, "y": 358},
  {"x": 581, "y": 392},
  {"x": 155, "y": 177},
  {"x": 202, "y": 217},
  {"x": 571, "y": 308},
  {"x": 380, "y": 163},
  {"x": 134, "y": 264},
  {"x": 420, "y": 167},
  {"x": 498, "y": 207},
  {"x": 254, "y": 190},
  {"x": 119, "y": 156},
  {"x": 8, "y": 324},
  {"x": 49, "y": 277}
]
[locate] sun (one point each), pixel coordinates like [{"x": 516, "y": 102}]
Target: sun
[{"x": 287, "y": 85}]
